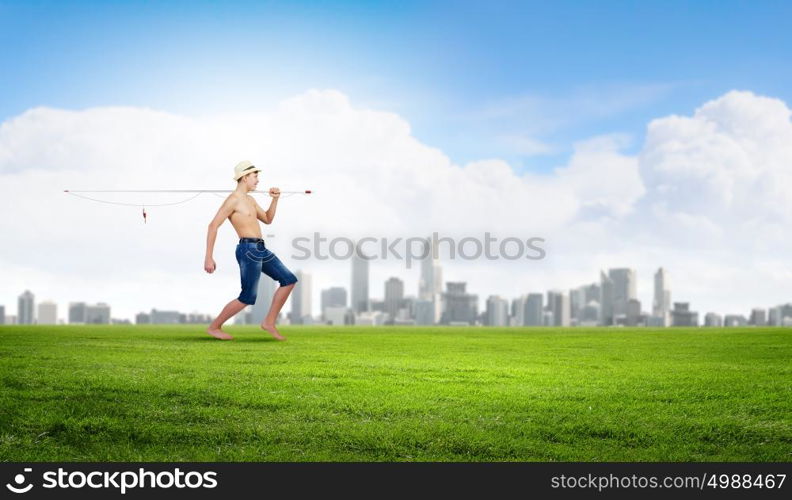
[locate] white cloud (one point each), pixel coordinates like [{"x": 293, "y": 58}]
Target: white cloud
[
  {"x": 607, "y": 182},
  {"x": 695, "y": 180},
  {"x": 725, "y": 172}
]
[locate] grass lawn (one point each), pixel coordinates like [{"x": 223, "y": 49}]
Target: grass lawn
[{"x": 172, "y": 393}]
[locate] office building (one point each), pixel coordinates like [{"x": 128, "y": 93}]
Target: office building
[
  {"x": 301, "y": 307},
  {"x": 590, "y": 315},
  {"x": 758, "y": 317},
  {"x": 76, "y": 312},
  {"x": 430, "y": 283},
  {"x": 624, "y": 288},
  {"x": 394, "y": 296},
  {"x": 681, "y": 315},
  {"x": 371, "y": 318},
  {"x": 558, "y": 302},
  {"x": 338, "y": 315},
  {"x": 25, "y": 308},
  {"x": 333, "y": 297},
  {"x": 47, "y": 313},
  {"x": 606, "y": 300},
  {"x": 360, "y": 283},
  {"x": 459, "y": 307},
  {"x": 97, "y": 314},
  {"x": 661, "y": 305},
  {"x": 517, "y": 312},
  {"x": 497, "y": 312},
  {"x": 634, "y": 317},
  {"x": 534, "y": 308},
  {"x": 164, "y": 317},
  {"x": 713, "y": 319},
  {"x": 424, "y": 312}
]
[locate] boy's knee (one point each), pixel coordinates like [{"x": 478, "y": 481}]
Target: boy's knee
[
  {"x": 289, "y": 280},
  {"x": 247, "y": 299}
]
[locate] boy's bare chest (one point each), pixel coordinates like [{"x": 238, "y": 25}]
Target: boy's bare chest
[{"x": 244, "y": 209}]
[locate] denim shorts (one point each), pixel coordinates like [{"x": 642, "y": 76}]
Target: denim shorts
[{"x": 254, "y": 258}]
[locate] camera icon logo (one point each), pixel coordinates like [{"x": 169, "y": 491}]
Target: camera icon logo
[{"x": 19, "y": 479}]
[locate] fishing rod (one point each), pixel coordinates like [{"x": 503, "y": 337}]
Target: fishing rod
[
  {"x": 306, "y": 191},
  {"x": 198, "y": 192}
]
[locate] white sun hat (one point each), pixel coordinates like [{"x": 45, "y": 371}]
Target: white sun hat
[{"x": 243, "y": 168}]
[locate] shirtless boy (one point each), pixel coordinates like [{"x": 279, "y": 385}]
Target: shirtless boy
[{"x": 252, "y": 255}]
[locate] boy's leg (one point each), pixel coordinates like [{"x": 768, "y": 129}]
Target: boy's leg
[
  {"x": 274, "y": 268},
  {"x": 278, "y": 299},
  {"x": 228, "y": 311},
  {"x": 249, "y": 273}
]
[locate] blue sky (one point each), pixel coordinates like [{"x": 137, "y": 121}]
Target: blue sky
[{"x": 475, "y": 79}]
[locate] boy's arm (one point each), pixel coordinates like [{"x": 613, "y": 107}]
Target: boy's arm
[
  {"x": 223, "y": 213},
  {"x": 262, "y": 214},
  {"x": 266, "y": 216}
]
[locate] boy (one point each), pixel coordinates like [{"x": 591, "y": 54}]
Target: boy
[{"x": 251, "y": 253}]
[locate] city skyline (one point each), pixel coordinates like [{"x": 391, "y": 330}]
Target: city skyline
[{"x": 611, "y": 301}]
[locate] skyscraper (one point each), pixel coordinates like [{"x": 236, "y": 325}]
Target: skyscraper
[
  {"x": 589, "y": 313},
  {"x": 758, "y": 317},
  {"x": 97, "y": 314},
  {"x": 497, "y": 311},
  {"x": 713, "y": 319},
  {"x": 301, "y": 298},
  {"x": 661, "y": 306},
  {"x": 360, "y": 283},
  {"x": 618, "y": 287},
  {"x": 634, "y": 317},
  {"x": 577, "y": 301},
  {"x": 338, "y": 315},
  {"x": 2, "y": 315},
  {"x": 533, "y": 310},
  {"x": 431, "y": 281},
  {"x": 591, "y": 292},
  {"x": 394, "y": 295},
  {"x": 424, "y": 312},
  {"x": 590, "y": 316},
  {"x": 76, "y": 312},
  {"x": 458, "y": 305},
  {"x": 560, "y": 308},
  {"x": 517, "y": 313},
  {"x": 47, "y": 313},
  {"x": 624, "y": 289},
  {"x": 785, "y": 314},
  {"x": 166, "y": 317},
  {"x": 333, "y": 297},
  {"x": 681, "y": 315},
  {"x": 25, "y": 306},
  {"x": 606, "y": 299}
]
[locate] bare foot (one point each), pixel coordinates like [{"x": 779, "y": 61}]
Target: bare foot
[
  {"x": 218, "y": 334},
  {"x": 272, "y": 331}
]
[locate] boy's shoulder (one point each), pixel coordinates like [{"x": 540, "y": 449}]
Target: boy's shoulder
[{"x": 232, "y": 200}]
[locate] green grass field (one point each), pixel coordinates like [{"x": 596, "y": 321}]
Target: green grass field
[{"x": 160, "y": 393}]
